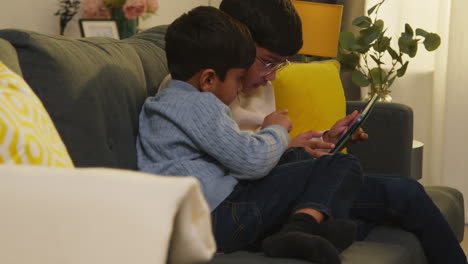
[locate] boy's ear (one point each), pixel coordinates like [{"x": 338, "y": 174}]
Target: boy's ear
[{"x": 207, "y": 80}]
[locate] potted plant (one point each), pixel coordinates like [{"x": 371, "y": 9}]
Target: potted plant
[{"x": 370, "y": 56}]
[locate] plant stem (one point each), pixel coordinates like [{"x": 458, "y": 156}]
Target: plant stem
[
  {"x": 378, "y": 8},
  {"x": 367, "y": 74}
]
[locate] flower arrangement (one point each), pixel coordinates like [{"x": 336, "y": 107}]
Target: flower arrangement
[
  {"x": 132, "y": 9},
  {"x": 124, "y": 12}
]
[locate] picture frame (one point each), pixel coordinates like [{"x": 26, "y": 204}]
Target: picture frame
[{"x": 99, "y": 28}]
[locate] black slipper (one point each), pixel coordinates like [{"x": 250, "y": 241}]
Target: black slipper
[
  {"x": 340, "y": 232},
  {"x": 302, "y": 246}
]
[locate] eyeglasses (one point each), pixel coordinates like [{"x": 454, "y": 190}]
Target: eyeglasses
[{"x": 270, "y": 67}]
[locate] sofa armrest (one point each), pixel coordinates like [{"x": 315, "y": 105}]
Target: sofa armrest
[
  {"x": 74, "y": 216},
  {"x": 390, "y": 129}
]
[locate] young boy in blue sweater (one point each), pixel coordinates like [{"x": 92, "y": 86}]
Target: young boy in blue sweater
[{"x": 257, "y": 198}]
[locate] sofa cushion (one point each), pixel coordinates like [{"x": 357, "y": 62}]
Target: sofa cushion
[
  {"x": 93, "y": 89},
  {"x": 27, "y": 134},
  {"x": 384, "y": 245},
  {"x": 312, "y": 93},
  {"x": 389, "y": 148},
  {"x": 150, "y": 45}
]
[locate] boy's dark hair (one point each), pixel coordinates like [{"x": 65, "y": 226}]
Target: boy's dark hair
[
  {"x": 274, "y": 24},
  {"x": 207, "y": 38}
]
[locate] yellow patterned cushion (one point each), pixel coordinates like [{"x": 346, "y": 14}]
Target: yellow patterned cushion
[{"x": 27, "y": 134}]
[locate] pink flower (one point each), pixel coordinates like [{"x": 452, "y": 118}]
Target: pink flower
[
  {"x": 134, "y": 8},
  {"x": 95, "y": 9},
  {"x": 152, "y": 6}
]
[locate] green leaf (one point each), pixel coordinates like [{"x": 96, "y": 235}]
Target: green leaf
[
  {"x": 405, "y": 37},
  {"x": 376, "y": 60},
  {"x": 379, "y": 24},
  {"x": 382, "y": 43},
  {"x": 402, "y": 70},
  {"x": 367, "y": 36},
  {"x": 378, "y": 75},
  {"x": 413, "y": 48},
  {"x": 409, "y": 30},
  {"x": 394, "y": 54},
  {"x": 358, "y": 48},
  {"x": 390, "y": 82},
  {"x": 421, "y": 32},
  {"x": 362, "y": 22},
  {"x": 372, "y": 9},
  {"x": 348, "y": 61},
  {"x": 347, "y": 40},
  {"x": 359, "y": 79},
  {"x": 432, "y": 41},
  {"x": 114, "y": 3},
  {"x": 363, "y": 49},
  {"x": 408, "y": 45}
]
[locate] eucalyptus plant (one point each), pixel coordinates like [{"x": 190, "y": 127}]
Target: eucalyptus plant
[{"x": 364, "y": 53}]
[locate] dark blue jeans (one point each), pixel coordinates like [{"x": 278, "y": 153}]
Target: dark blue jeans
[
  {"x": 403, "y": 202},
  {"x": 256, "y": 209},
  {"x": 396, "y": 201}
]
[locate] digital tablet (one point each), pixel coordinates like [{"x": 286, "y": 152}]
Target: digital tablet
[{"x": 355, "y": 124}]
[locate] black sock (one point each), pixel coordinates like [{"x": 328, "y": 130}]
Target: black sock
[
  {"x": 301, "y": 245},
  {"x": 341, "y": 233}
]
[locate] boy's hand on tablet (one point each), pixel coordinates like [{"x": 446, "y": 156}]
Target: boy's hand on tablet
[
  {"x": 318, "y": 151},
  {"x": 304, "y": 139},
  {"x": 340, "y": 127},
  {"x": 315, "y": 148},
  {"x": 278, "y": 118},
  {"x": 358, "y": 137}
]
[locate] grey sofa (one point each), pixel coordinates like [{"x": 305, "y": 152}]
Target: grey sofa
[{"x": 93, "y": 88}]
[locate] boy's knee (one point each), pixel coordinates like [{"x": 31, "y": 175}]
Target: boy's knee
[
  {"x": 350, "y": 164},
  {"x": 342, "y": 166},
  {"x": 412, "y": 189},
  {"x": 353, "y": 169},
  {"x": 406, "y": 194}
]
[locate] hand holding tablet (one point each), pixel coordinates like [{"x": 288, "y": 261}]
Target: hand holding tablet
[{"x": 355, "y": 124}]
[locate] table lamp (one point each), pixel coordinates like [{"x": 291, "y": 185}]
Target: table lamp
[{"x": 321, "y": 24}]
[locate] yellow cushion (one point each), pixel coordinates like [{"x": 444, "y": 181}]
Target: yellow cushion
[
  {"x": 313, "y": 94},
  {"x": 27, "y": 134}
]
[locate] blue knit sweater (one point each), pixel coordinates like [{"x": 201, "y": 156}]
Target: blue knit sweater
[{"x": 184, "y": 132}]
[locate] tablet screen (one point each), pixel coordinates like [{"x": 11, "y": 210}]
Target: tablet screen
[{"x": 356, "y": 123}]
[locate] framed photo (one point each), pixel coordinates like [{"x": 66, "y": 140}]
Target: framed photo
[{"x": 99, "y": 28}]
